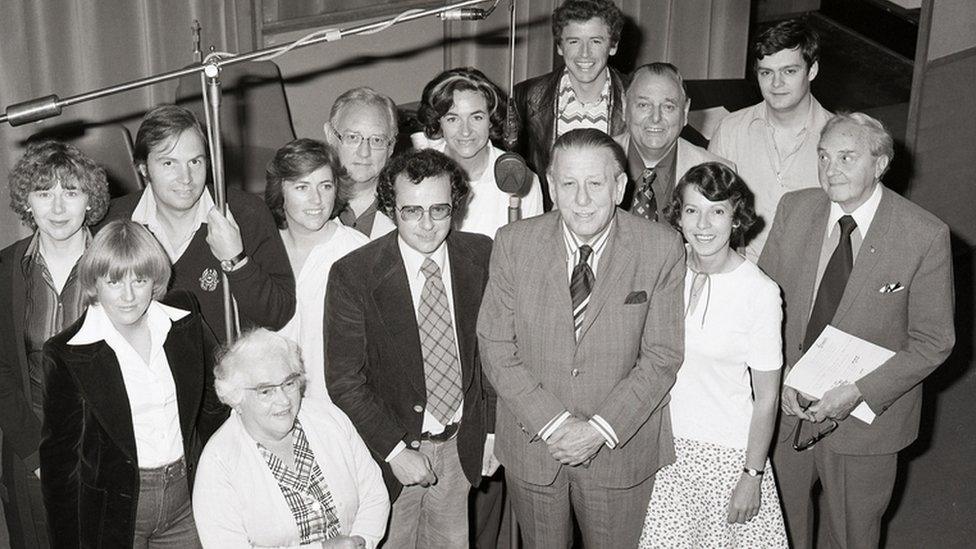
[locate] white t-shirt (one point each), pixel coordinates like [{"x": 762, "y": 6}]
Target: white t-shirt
[
  {"x": 306, "y": 326},
  {"x": 735, "y": 326}
]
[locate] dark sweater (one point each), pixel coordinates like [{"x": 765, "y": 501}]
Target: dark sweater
[{"x": 264, "y": 288}]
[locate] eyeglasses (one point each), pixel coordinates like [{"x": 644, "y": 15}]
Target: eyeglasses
[
  {"x": 376, "y": 142},
  {"x": 289, "y": 386},
  {"x": 413, "y": 213},
  {"x": 800, "y": 444}
]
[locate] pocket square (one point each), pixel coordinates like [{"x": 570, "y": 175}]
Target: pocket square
[
  {"x": 640, "y": 296},
  {"x": 891, "y": 288}
]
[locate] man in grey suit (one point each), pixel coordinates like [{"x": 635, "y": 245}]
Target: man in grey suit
[
  {"x": 857, "y": 256},
  {"x": 581, "y": 335}
]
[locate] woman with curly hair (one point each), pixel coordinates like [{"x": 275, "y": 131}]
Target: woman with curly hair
[
  {"x": 720, "y": 490},
  {"x": 58, "y": 192}
]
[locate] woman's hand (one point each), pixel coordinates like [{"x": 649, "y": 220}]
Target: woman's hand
[
  {"x": 344, "y": 542},
  {"x": 746, "y": 499}
]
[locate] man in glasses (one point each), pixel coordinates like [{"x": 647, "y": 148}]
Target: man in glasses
[
  {"x": 855, "y": 255},
  {"x": 401, "y": 356},
  {"x": 362, "y": 127}
]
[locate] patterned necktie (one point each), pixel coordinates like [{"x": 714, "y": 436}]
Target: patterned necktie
[
  {"x": 580, "y": 287},
  {"x": 437, "y": 344},
  {"x": 832, "y": 284},
  {"x": 645, "y": 203}
]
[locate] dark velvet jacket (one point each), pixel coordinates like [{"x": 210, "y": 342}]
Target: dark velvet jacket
[
  {"x": 374, "y": 363},
  {"x": 89, "y": 470},
  {"x": 536, "y": 101}
]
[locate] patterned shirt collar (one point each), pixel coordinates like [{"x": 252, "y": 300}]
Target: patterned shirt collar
[{"x": 304, "y": 489}]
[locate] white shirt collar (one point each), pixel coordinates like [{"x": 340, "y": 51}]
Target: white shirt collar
[
  {"x": 146, "y": 213},
  {"x": 98, "y": 327},
  {"x": 863, "y": 215},
  {"x": 413, "y": 260}
]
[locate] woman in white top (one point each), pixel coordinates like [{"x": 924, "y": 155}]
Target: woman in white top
[
  {"x": 302, "y": 193},
  {"x": 720, "y": 491},
  {"x": 462, "y": 110},
  {"x": 129, "y": 402},
  {"x": 283, "y": 471}
]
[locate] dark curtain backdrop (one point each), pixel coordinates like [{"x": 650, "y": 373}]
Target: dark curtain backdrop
[{"x": 69, "y": 47}]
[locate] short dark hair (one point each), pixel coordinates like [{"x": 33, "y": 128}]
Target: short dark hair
[
  {"x": 788, "y": 35},
  {"x": 293, "y": 161},
  {"x": 589, "y": 138},
  {"x": 47, "y": 163},
  {"x": 581, "y": 11},
  {"x": 417, "y": 166},
  {"x": 716, "y": 182},
  {"x": 438, "y": 98},
  {"x": 161, "y": 124}
]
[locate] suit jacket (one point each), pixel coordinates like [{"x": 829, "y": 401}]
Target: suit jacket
[
  {"x": 688, "y": 156},
  {"x": 374, "y": 367},
  {"x": 89, "y": 467},
  {"x": 904, "y": 245},
  {"x": 21, "y": 427},
  {"x": 630, "y": 348},
  {"x": 536, "y": 101}
]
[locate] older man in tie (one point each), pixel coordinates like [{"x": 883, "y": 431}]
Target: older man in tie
[{"x": 580, "y": 332}]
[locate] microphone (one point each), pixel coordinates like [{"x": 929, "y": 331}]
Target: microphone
[
  {"x": 463, "y": 14},
  {"x": 512, "y": 176}
]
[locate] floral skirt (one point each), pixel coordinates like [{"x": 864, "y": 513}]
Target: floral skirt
[{"x": 690, "y": 502}]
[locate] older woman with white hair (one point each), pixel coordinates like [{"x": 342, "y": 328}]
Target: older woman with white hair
[{"x": 283, "y": 471}]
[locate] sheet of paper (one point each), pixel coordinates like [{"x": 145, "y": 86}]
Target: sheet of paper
[{"x": 837, "y": 358}]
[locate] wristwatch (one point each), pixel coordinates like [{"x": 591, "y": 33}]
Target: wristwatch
[
  {"x": 753, "y": 472},
  {"x": 227, "y": 265}
]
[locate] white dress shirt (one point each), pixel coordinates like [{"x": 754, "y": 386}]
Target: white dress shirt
[
  {"x": 150, "y": 387},
  {"x": 863, "y": 215},
  {"x": 146, "y": 213}
]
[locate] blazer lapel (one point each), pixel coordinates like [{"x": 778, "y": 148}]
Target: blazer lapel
[
  {"x": 181, "y": 353},
  {"x": 810, "y": 260},
  {"x": 552, "y": 260},
  {"x": 99, "y": 376},
  {"x": 871, "y": 249},
  {"x": 391, "y": 298},
  {"x": 467, "y": 284},
  {"x": 614, "y": 261}
]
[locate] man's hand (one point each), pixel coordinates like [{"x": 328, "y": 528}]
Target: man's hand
[
  {"x": 344, "y": 542},
  {"x": 791, "y": 406},
  {"x": 836, "y": 403},
  {"x": 223, "y": 235},
  {"x": 746, "y": 499},
  {"x": 574, "y": 442},
  {"x": 411, "y": 467},
  {"x": 489, "y": 463}
]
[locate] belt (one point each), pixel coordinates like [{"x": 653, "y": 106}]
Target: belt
[{"x": 447, "y": 434}]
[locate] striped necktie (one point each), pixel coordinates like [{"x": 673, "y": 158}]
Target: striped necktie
[
  {"x": 645, "y": 202},
  {"x": 580, "y": 286}
]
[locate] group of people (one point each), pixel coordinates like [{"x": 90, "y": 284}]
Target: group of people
[{"x": 619, "y": 352}]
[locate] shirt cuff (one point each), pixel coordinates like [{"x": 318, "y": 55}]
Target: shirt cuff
[
  {"x": 553, "y": 424},
  {"x": 604, "y": 429},
  {"x": 401, "y": 446}
]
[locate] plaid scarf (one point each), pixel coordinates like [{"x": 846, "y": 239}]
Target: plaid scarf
[{"x": 305, "y": 490}]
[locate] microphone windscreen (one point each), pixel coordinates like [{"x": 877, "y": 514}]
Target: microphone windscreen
[{"x": 511, "y": 174}]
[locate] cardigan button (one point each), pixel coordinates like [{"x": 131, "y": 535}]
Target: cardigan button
[
  {"x": 418, "y": 408},
  {"x": 415, "y": 444}
]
